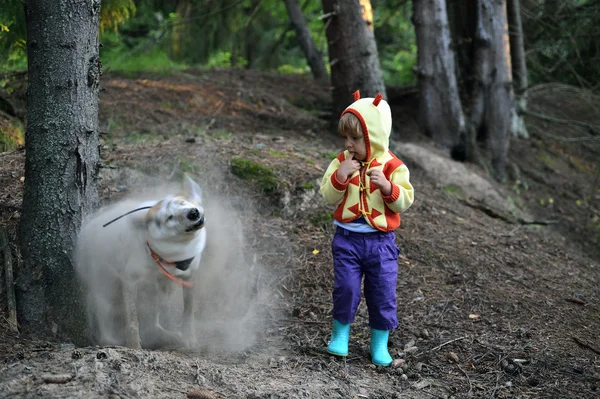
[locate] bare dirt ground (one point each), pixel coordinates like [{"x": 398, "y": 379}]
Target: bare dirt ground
[{"x": 496, "y": 298}]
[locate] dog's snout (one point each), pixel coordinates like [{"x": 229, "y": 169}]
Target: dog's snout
[{"x": 193, "y": 215}]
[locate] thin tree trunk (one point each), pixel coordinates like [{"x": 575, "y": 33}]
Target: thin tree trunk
[
  {"x": 519, "y": 67},
  {"x": 500, "y": 100},
  {"x": 440, "y": 111},
  {"x": 314, "y": 59},
  {"x": 478, "y": 87},
  {"x": 352, "y": 53},
  {"x": 61, "y": 162}
]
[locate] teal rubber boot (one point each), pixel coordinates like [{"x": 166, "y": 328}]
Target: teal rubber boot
[
  {"x": 379, "y": 347},
  {"x": 340, "y": 335}
]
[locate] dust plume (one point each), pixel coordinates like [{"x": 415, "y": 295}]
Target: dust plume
[{"x": 228, "y": 293}]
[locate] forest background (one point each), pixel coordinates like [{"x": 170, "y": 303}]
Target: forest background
[{"x": 490, "y": 307}]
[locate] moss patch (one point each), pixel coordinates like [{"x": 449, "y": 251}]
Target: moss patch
[
  {"x": 258, "y": 174},
  {"x": 322, "y": 220},
  {"x": 455, "y": 191}
]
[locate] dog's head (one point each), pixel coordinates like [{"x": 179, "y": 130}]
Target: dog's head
[{"x": 177, "y": 217}]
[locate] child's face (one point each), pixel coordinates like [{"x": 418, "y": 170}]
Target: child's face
[{"x": 355, "y": 144}]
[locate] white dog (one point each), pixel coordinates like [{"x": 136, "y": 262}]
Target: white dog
[{"x": 130, "y": 256}]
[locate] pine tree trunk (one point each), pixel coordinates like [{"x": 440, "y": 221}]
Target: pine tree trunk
[
  {"x": 440, "y": 111},
  {"x": 499, "y": 100},
  {"x": 519, "y": 66},
  {"x": 352, "y": 54},
  {"x": 478, "y": 45},
  {"x": 314, "y": 59},
  {"x": 61, "y": 162}
]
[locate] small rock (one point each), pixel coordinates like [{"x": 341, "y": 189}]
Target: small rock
[
  {"x": 409, "y": 344},
  {"x": 422, "y": 384},
  {"x": 404, "y": 377},
  {"x": 398, "y": 363},
  {"x": 412, "y": 349},
  {"x": 425, "y": 333},
  {"x": 534, "y": 382},
  {"x": 419, "y": 367},
  {"x": 510, "y": 367},
  {"x": 76, "y": 355},
  {"x": 453, "y": 357}
]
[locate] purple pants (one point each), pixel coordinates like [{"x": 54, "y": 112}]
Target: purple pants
[{"x": 374, "y": 256}]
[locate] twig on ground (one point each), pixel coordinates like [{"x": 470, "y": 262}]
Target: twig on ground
[
  {"x": 468, "y": 379},
  {"x": 447, "y": 343}
]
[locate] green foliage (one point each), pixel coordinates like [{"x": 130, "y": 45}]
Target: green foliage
[
  {"x": 396, "y": 41},
  {"x": 165, "y": 35},
  {"x": 561, "y": 40},
  {"x": 117, "y": 56},
  {"x": 13, "y": 51},
  {"x": 256, "y": 173}
]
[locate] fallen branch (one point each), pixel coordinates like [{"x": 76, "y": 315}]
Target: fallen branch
[
  {"x": 512, "y": 220},
  {"x": 586, "y": 345},
  {"x": 11, "y": 302},
  {"x": 593, "y": 129}
]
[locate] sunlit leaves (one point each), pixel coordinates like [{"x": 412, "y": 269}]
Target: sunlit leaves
[{"x": 115, "y": 12}]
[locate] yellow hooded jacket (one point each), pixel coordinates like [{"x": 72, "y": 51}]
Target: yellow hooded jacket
[{"x": 356, "y": 196}]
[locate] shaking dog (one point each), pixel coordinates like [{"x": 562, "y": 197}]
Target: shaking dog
[{"x": 131, "y": 257}]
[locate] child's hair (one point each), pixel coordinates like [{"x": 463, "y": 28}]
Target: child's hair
[{"x": 349, "y": 123}]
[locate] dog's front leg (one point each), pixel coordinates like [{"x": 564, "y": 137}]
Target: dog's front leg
[
  {"x": 132, "y": 326},
  {"x": 189, "y": 329}
]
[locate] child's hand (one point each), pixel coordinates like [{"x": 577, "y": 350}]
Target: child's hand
[
  {"x": 378, "y": 178},
  {"x": 347, "y": 168}
]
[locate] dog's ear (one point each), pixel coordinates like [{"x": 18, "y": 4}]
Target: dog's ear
[{"x": 191, "y": 189}]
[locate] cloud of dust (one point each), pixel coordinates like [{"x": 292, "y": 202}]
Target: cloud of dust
[{"x": 229, "y": 298}]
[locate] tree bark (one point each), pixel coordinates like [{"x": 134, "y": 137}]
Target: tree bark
[
  {"x": 352, "y": 54},
  {"x": 314, "y": 59},
  {"x": 519, "y": 67},
  {"x": 61, "y": 163},
  {"x": 499, "y": 99},
  {"x": 440, "y": 111}
]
